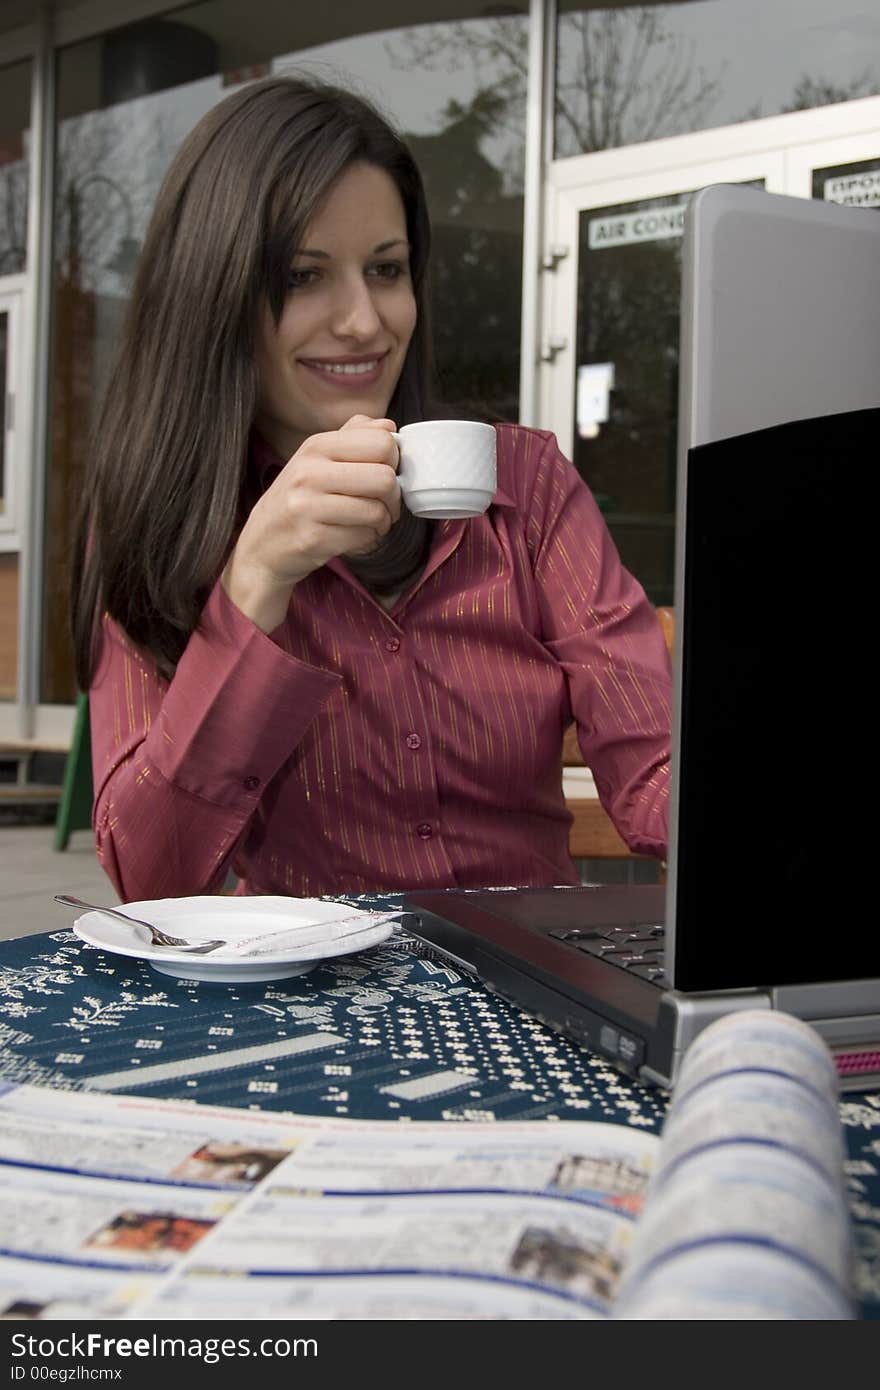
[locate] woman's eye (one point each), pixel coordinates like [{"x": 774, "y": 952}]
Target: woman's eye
[
  {"x": 301, "y": 279},
  {"x": 387, "y": 270}
]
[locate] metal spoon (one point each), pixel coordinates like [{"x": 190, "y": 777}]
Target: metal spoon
[{"x": 158, "y": 938}]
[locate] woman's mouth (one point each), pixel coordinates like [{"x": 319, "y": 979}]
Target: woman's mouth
[{"x": 346, "y": 372}]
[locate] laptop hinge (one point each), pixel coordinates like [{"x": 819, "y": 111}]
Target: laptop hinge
[{"x": 831, "y": 999}]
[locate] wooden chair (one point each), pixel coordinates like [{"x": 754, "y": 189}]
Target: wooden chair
[{"x": 592, "y": 835}]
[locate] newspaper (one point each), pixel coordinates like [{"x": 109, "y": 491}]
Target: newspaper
[{"x": 121, "y": 1207}]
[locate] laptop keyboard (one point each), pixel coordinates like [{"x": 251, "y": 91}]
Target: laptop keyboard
[{"x": 637, "y": 947}]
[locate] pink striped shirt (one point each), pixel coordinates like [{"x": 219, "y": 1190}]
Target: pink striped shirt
[{"x": 359, "y": 749}]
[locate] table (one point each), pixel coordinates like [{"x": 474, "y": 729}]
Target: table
[{"x": 395, "y": 1033}]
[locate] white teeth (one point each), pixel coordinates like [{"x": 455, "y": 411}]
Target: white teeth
[{"x": 346, "y": 368}]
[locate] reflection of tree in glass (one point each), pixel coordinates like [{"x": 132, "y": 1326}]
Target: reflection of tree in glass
[
  {"x": 108, "y": 167},
  {"x": 98, "y": 202},
  {"x": 623, "y": 75},
  {"x": 496, "y": 52},
  {"x": 13, "y": 216},
  {"x": 476, "y": 264},
  {"x": 810, "y": 92},
  {"x": 816, "y": 91},
  {"x": 475, "y": 201},
  {"x": 107, "y": 173}
]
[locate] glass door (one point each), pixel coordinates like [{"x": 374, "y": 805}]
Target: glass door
[
  {"x": 609, "y": 376},
  {"x": 844, "y": 171},
  {"x": 11, "y": 417},
  {"x": 10, "y": 298}
]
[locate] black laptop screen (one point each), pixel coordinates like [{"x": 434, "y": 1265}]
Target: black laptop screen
[{"x": 779, "y": 707}]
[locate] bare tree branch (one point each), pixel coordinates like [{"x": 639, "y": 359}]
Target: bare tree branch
[{"x": 816, "y": 91}]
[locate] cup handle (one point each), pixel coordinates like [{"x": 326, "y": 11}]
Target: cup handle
[{"x": 399, "y": 442}]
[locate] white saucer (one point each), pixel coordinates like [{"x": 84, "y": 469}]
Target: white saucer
[{"x": 233, "y": 919}]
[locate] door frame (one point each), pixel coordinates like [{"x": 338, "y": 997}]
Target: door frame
[
  {"x": 781, "y": 150},
  {"x": 854, "y": 148}
]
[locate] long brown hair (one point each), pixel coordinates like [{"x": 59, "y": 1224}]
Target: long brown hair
[{"x": 170, "y": 457}]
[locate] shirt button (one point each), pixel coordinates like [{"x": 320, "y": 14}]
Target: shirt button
[
  {"x": 424, "y": 830},
  {"x": 250, "y": 784},
  {"x": 413, "y": 741},
  {"x": 392, "y": 644}
]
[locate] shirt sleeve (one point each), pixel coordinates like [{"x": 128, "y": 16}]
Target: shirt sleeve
[
  {"x": 599, "y": 625},
  {"x": 180, "y": 766}
]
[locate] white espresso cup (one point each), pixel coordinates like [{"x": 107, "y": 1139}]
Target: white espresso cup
[{"x": 447, "y": 467}]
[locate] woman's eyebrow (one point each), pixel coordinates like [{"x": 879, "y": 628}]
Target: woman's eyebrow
[{"x": 376, "y": 251}]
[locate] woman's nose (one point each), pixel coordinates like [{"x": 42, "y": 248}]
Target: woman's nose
[{"x": 355, "y": 314}]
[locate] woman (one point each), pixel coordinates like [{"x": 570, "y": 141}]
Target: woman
[{"x": 290, "y": 676}]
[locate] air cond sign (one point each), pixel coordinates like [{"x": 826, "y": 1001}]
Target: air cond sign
[
  {"x": 854, "y": 190},
  {"x": 654, "y": 225}
]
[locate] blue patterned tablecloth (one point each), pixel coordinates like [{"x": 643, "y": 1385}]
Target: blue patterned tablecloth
[{"x": 395, "y": 1033}]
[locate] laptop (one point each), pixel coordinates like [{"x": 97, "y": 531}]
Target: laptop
[{"x": 775, "y": 710}]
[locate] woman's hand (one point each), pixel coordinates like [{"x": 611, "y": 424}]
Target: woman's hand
[{"x": 337, "y": 495}]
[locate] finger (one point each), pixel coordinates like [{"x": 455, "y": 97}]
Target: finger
[
  {"x": 331, "y": 539},
  {"x": 359, "y": 421},
  {"x": 353, "y": 479},
  {"x": 358, "y": 444},
  {"x": 337, "y": 509}
]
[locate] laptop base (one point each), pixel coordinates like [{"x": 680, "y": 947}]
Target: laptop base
[{"x": 510, "y": 940}]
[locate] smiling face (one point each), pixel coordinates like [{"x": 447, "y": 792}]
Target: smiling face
[{"x": 348, "y": 318}]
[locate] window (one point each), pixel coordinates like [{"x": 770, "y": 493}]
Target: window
[
  {"x": 15, "y": 112},
  {"x": 126, "y": 99},
  {"x": 640, "y": 72}
]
